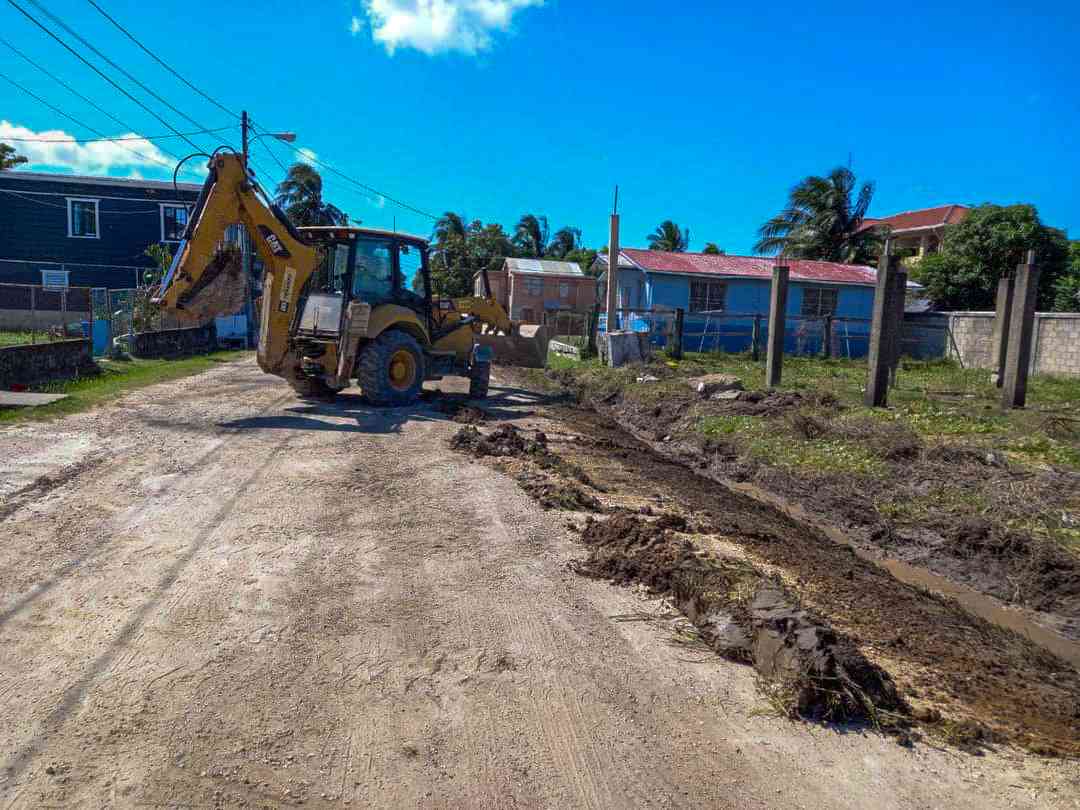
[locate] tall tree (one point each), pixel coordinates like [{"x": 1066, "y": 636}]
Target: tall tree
[
  {"x": 712, "y": 249},
  {"x": 987, "y": 244},
  {"x": 564, "y": 242},
  {"x": 824, "y": 221},
  {"x": 300, "y": 195},
  {"x": 1067, "y": 288},
  {"x": 8, "y": 158},
  {"x": 450, "y": 274},
  {"x": 531, "y": 235},
  {"x": 667, "y": 237}
]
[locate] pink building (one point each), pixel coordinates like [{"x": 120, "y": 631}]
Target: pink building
[{"x": 530, "y": 288}]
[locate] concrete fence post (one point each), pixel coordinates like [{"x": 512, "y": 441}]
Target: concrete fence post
[
  {"x": 1002, "y": 315},
  {"x": 755, "y": 338},
  {"x": 1021, "y": 329},
  {"x": 826, "y": 336},
  {"x": 899, "y": 301},
  {"x": 774, "y": 360},
  {"x": 882, "y": 330},
  {"x": 677, "y": 337}
]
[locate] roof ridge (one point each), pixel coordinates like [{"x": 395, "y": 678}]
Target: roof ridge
[{"x": 949, "y": 206}]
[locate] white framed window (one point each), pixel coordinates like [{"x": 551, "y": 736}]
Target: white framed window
[
  {"x": 564, "y": 290},
  {"x": 707, "y": 296},
  {"x": 174, "y": 220},
  {"x": 534, "y": 286},
  {"x": 82, "y": 217}
]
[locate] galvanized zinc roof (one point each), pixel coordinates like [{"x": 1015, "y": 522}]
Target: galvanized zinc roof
[{"x": 545, "y": 267}]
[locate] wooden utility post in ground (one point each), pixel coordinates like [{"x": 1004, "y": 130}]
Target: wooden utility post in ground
[
  {"x": 1021, "y": 329},
  {"x": 882, "y": 330},
  {"x": 774, "y": 360},
  {"x": 826, "y": 337},
  {"x": 999, "y": 343},
  {"x": 755, "y": 338}
]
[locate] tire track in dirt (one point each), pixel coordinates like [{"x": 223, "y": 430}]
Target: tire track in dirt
[{"x": 76, "y": 692}]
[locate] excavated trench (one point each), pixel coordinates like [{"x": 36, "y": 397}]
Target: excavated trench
[{"x": 844, "y": 621}]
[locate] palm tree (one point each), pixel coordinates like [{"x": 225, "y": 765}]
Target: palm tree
[
  {"x": 300, "y": 195},
  {"x": 531, "y": 235},
  {"x": 8, "y": 158},
  {"x": 822, "y": 221},
  {"x": 449, "y": 226},
  {"x": 564, "y": 242},
  {"x": 667, "y": 237}
]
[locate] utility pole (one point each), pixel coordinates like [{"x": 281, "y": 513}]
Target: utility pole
[
  {"x": 244, "y": 139},
  {"x": 613, "y": 267}
]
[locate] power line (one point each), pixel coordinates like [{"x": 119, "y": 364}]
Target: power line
[
  {"x": 85, "y": 125},
  {"x": 64, "y": 84},
  {"x": 112, "y": 140},
  {"x": 107, "y": 60},
  {"x": 96, "y": 70},
  {"x": 161, "y": 62},
  {"x": 101, "y": 210},
  {"x": 364, "y": 186},
  {"x": 77, "y": 122}
]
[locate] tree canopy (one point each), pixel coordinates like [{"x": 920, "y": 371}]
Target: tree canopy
[
  {"x": 8, "y": 158},
  {"x": 823, "y": 220},
  {"x": 300, "y": 196},
  {"x": 712, "y": 249},
  {"x": 986, "y": 245},
  {"x": 668, "y": 237}
]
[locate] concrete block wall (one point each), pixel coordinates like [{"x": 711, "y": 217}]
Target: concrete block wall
[
  {"x": 45, "y": 362},
  {"x": 174, "y": 342},
  {"x": 1055, "y": 344},
  {"x": 972, "y": 335}
]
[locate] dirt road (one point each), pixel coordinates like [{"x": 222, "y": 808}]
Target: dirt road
[{"x": 213, "y": 595}]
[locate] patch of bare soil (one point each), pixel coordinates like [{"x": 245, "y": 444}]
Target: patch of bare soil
[
  {"x": 972, "y": 682},
  {"x": 809, "y": 670},
  {"x": 959, "y": 511}
]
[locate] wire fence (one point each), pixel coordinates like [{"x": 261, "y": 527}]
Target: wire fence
[{"x": 804, "y": 335}]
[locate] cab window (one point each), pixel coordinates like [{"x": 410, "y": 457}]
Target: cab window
[
  {"x": 410, "y": 267},
  {"x": 373, "y": 270},
  {"x": 333, "y": 269}
]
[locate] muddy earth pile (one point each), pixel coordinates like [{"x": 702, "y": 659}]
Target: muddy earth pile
[{"x": 746, "y": 616}]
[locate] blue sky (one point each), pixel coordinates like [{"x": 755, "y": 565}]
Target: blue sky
[{"x": 702, "y": 114}]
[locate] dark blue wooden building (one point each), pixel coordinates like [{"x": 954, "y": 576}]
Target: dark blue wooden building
[{"x": 61, "y": 229}]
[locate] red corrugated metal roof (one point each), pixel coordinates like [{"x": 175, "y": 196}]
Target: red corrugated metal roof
[
  {"x": 749, "y": 266},
  {"x": 923, "y": 218}
]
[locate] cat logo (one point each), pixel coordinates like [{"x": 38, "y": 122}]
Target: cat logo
[{"x": 273, "y": 242}]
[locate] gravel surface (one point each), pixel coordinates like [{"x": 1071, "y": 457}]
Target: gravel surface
[{"x": 212, "y": 594}]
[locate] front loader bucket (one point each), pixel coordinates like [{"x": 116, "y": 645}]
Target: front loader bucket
[{"x": 526, "y": 346}]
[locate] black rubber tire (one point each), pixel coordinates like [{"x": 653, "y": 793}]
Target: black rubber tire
[
  {"x": 313, "y": 389},
  {"x": 373, "y": 369},
  {"x": 479, "y": 379}
]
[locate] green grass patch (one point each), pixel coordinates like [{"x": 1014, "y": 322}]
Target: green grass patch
[
  {"x": 20, "y": 338},
  {"x": 768, "y": 442},
  {"x": 116, "y": 379}
]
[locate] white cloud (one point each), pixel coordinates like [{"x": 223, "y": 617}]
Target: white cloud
[
  {"x": 435, "y": 26},
  {"x": 356, "y": 26},
  {"x": 57, "y": 149},
  {"x": 307, "y": 156}
]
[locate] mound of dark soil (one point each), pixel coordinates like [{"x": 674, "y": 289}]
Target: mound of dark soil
[
  {"x": 505, "y": 440},
  {"x": 746, "y": 616},
  {"x": 557, "y": 494}
]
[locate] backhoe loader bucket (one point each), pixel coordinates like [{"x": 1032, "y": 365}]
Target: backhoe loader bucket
[
  {"x": 221, "y": 288},
  {"x": 526, "y": 346}
]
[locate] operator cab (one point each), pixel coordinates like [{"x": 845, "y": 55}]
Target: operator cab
[{"x": 363, "y": 265}]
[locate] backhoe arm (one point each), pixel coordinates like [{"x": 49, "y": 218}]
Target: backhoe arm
[{"x": 205, "y": 281}]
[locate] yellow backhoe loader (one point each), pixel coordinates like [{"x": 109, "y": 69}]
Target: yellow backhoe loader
[{"x": 338, "y": 303}]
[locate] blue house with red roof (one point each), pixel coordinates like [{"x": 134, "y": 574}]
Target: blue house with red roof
[{"x": 722, "y": 294}]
